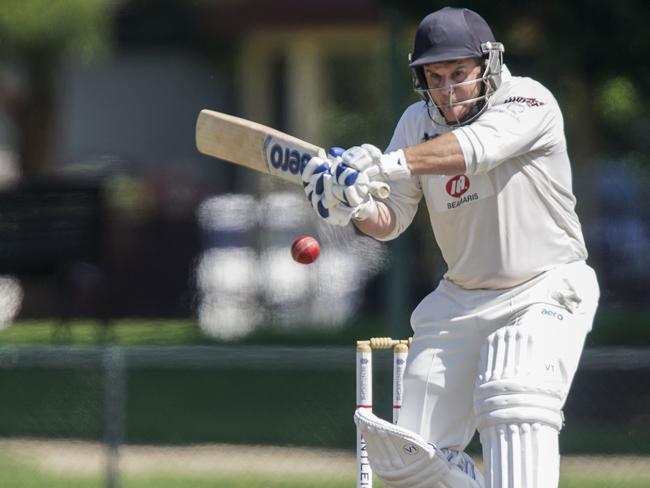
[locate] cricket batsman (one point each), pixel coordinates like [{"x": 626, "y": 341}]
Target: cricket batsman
[{"x": 497, "y": 343}]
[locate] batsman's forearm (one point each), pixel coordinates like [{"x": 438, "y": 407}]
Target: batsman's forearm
[
  {"x": 380, "y": 223},
  {"x": 440, "y": 156}
]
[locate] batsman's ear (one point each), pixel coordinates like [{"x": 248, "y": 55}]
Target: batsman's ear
[{"x": 419, "y": 81}]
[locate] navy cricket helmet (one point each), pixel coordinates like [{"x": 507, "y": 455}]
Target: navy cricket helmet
[{"x": 450, "y": 34}]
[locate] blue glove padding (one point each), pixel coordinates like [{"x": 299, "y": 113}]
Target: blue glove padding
[
  {"x": 337, "y": 192},
  {"x": 312, "y": 176},
  {"x": 314, "y": 169},
  {"x": 352, "y": 187}
]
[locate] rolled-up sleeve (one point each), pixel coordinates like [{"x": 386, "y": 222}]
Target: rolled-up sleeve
[{"x": 404, "y": 199}]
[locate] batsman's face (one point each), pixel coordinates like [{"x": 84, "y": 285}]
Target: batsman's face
[{"x": 451, "y": 83}]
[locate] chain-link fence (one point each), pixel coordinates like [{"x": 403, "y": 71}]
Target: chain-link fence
[{"x": 258, "y": 416}]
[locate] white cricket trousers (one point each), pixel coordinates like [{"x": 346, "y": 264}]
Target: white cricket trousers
[{"x": 499, "y": 361}]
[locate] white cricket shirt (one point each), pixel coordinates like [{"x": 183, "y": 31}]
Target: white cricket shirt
[{"x": 511, "y": 216}]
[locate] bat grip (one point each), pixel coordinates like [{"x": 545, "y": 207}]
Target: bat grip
[{"x": 380, "y": 189}]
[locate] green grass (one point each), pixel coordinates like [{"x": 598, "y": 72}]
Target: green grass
[
  {"x": 614, "y": 325},
  {"x": 250, "y": 482},
  {"x": 21, "y": 474},
  {"x": 25, "y": 474},
  {"x": 232, "y": 482},
  {"x": 123, "y": 333},
  {"x": 168, "y": 333},
  {"x": 602, "y": 482},
  {"x": 578, "y": 482}
]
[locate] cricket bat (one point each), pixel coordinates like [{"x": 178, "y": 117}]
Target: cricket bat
[{"x": 259, "y": 147}]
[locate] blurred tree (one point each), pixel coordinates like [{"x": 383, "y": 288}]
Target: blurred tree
[{"x": 35, "y": 36}]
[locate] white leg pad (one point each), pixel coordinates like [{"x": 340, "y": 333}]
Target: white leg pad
[
  {"x": 518, "y": 404},
  {"x": 521, "y": 456},
  {"x": 403, "y": 459}
]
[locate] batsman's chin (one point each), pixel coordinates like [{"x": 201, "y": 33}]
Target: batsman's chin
[{"x": 454, "y": 114}]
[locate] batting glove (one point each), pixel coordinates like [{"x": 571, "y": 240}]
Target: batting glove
[
  {"x": 350, "y": 187},
  {"x": 314, "y": 169},
  {"x": 339, "y": 213},
  {"x": 370, "y": 160},
  {"x": 313, "y": 176},
  {"x": 332, "y": 193}
]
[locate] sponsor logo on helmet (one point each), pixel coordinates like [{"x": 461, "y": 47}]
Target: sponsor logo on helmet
[{"x": 530, "y": 101}]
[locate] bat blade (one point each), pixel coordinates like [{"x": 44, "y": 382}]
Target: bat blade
[
  {"x": 253, "y": 145},
  {"x": 258, "y": 147}
]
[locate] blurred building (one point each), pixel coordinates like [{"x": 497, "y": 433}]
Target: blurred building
[{"x": 125, "y": 123}]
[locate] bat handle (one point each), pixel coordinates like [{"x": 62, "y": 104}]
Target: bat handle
[{"x": 380, "y": 189}]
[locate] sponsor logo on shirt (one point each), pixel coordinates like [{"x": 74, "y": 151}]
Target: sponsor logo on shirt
[
  {"x": 457, "y": 187},
  {"x": 457, "y": 203},
  {"x": 449, "y": 193},
  {"x": 530, "y": 101}
]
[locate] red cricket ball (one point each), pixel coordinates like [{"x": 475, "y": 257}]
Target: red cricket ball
[{"x": 305, "y": 250}]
